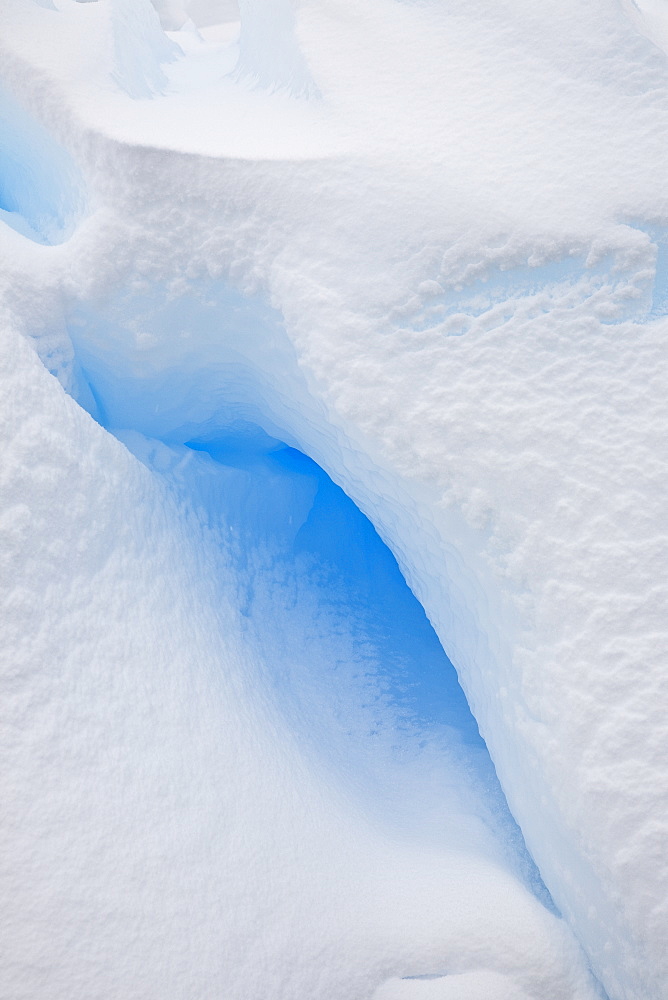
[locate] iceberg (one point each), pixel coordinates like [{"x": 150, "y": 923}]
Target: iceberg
[{"x": 332, "y": 504}]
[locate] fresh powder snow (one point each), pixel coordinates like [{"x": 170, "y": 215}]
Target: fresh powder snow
[{"x": 332, "y": 499}]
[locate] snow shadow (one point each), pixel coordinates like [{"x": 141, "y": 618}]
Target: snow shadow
[{"x": 41, "y": 191}]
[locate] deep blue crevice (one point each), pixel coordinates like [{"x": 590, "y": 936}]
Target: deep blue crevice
[
  {"x": 340, "y": 645},
  {"x": 316, "y": 542},
  {"x": 313, "y": 522}
]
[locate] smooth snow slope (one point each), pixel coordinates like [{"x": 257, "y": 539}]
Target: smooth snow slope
[{"x": 425, "y": 245}]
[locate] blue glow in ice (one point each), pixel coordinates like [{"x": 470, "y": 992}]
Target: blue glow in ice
[
  {"x": 311, "y": 521},
  {"x": 349, "y": 653}
]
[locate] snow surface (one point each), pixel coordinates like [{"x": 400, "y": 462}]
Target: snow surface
[{"x": 416, "y": 252}]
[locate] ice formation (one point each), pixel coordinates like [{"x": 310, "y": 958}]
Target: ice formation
[{"x": 333, "y": 342}]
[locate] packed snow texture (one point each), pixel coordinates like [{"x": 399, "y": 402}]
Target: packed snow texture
[
  {"x": 39, "y": 190},
  {"x": 293, "y": 305}
]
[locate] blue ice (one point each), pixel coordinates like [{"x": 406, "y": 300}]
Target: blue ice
[{"x": 313, "y": 524}]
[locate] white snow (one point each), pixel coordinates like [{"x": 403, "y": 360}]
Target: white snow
[{"x": 425, "y": 246}]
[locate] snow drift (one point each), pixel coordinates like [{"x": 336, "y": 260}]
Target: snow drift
[{"x": 340, "y": 278}]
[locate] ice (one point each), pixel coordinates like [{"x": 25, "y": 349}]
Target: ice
[{"x": 367, "y": 309}]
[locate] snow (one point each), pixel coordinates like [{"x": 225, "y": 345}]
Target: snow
[
  {"x": 401, "y": 260},
  {"x": 165, "y": 829},
  {"x": 473, "y": 985},
  {"x": 40, "y": 194}
]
